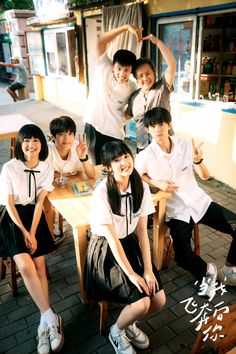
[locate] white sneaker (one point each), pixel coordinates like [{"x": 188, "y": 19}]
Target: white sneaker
[
  {"x": 137, "y": 337},
  {"x": 43, "y": 346},
  {"x": 121, "y": 343},
  {"x": 227, "y": 279},
  {"x": 207, "y": 287},
  {"x": 56, "y": 334}
]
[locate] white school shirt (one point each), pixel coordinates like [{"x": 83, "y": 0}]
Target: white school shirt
[
  {"x": 71, "y": 165},
  {"x": 15, "y": 181},
  {"x": 107, "y": 100},
  {"x": 189, "y": 200},
  {"x": 101, "y": 212}
]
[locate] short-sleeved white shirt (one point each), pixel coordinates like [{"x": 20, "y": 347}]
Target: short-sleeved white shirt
[
  {"x": 71, "y": 165},
  {"x": 101, "y": 212},
  {"x": 15, "y": 181},
  {"x": 189, "y": 200},
  {"x": 107, "y": 100}
]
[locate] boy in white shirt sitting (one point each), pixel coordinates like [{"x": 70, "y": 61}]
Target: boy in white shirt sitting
[
  {"x": 66, "y": 155},
  {"x": 167, "y": 163}
]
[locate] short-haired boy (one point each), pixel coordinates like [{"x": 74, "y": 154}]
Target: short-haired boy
[
  {"x": 167, "y": 163},
  {"x": 109, "y": 93},
  {"x": 66, "y": 155}
]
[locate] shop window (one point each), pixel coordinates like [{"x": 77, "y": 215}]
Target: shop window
[
  {"x": 218, "y": 57},
  {"x": 60, "y": 48},
  {"x": 205, "y": 50},
  {"x": 35, "y": 52}
]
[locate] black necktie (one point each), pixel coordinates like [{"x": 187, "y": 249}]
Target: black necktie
[
  {"x": 32, "y": 173},
  {"x": 128, "y": 197}
]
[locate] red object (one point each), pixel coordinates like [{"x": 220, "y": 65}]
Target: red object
[
  {"x": 180, "y": 46},
  {"x": 171, "y": 42}
]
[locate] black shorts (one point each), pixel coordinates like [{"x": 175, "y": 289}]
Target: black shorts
[{"x": 15, "y": 86}]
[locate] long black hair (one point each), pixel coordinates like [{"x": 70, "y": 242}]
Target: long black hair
[{"x": 110, "y": 151}]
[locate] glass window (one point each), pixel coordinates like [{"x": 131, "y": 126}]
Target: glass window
[
  {"x": 35, "y": 51},
  {"x": 179, "y": 36},
  {"x": 60, "y": 48}
]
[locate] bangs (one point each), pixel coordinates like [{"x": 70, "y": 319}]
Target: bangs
[
  {"x": 112, "y": 150},
  {"x": 62, "y": 124},
  {"x": 29, "y": 131}
]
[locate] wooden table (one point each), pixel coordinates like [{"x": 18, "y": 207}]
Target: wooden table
[
  {"x": 10, "y": 125},
  {"x": 75, "y": 211}
]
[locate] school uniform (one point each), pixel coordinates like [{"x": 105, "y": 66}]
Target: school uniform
[
  {"x": 104, "y": 112},
  {"x": 104, "y": 278},
  {"x": 24, "y": 184},
  {"x": 189, "y": 204},
  {"x": 140, "y": 103},
  {"x": 71, "y": 165}
]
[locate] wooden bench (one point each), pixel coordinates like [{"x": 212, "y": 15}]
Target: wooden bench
[
  {"x": 23, "y": 93},
  {"x": 220, "y": 345}
]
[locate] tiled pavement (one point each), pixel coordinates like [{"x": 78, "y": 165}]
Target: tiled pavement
[{"x": 170, "y": 331}]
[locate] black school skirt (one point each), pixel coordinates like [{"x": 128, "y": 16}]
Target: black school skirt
[
  {"x": 11, "y": 237},
  {"x": 104, "y": 278}
]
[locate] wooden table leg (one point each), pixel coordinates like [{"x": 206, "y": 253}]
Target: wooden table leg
[
  {"x": 159, "y": 230},
  {"x": 12, "y": 147},
  {"x": 81, "y": 244},
  {"x": 49, "y": 214}
]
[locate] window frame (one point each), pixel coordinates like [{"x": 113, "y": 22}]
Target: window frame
[
  {"x": 178, "y": 19},
  {"x": 71, "y": 72}
]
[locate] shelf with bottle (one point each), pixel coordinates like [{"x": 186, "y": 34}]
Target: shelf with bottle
[{"x": 210, "y": 66}]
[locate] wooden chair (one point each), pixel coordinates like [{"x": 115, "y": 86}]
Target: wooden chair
[
  {"x": 169, "y": 246},
  {"x": 14, "y": 274},
  {"x": 9, "y": 262},
  {"x": 103, "y": 316},
  {"x": 220, "y": 345}
]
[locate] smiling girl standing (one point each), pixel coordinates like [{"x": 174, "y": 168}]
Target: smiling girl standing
[
  {"x": 24, "y": 233},
  {"x": 118, "y": 266}
]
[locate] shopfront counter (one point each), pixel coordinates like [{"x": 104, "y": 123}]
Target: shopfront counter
[{"x": 213, "y": 123}]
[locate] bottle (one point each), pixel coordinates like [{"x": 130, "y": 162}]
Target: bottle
[
  {"x": 229, "y": 68},
  {"x": 232, "y": 44},
  {"x": 209, "y": 66}
]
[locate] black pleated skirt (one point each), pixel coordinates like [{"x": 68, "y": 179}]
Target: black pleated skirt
[
  {"x": 104, "y": 278},
  {"x": 11, "y": 237}
]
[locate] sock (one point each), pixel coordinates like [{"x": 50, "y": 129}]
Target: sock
[
  {"x": 47, "y": 318},
  {"x": 116, "y": 330},
  {"x": 211, "y": 269}
]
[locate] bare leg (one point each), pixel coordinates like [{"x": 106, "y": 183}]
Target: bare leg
[
  {"x": 157, "y": 302},
  {"x": 31, "y": 279},
  {"x": 41, "y": 270},
  {"x": 12, "y": 94},
  {"x": 140, "y": 309},
  {"x": 133, "y": 312}
]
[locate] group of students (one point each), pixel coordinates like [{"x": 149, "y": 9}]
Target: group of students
[{"x": 118, "y": 263}]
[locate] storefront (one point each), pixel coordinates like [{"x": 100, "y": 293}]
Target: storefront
[
  {"x": 12, "y": 40},
  {"x": 54, "y": 56},
  {"x": 203, "y": 40},
  {"x": 202, "y": 36}
]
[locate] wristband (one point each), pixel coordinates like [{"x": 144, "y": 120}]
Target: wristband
[
  {"x": 85, "y": 159},
  {"x": 198, "y": 163}
]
